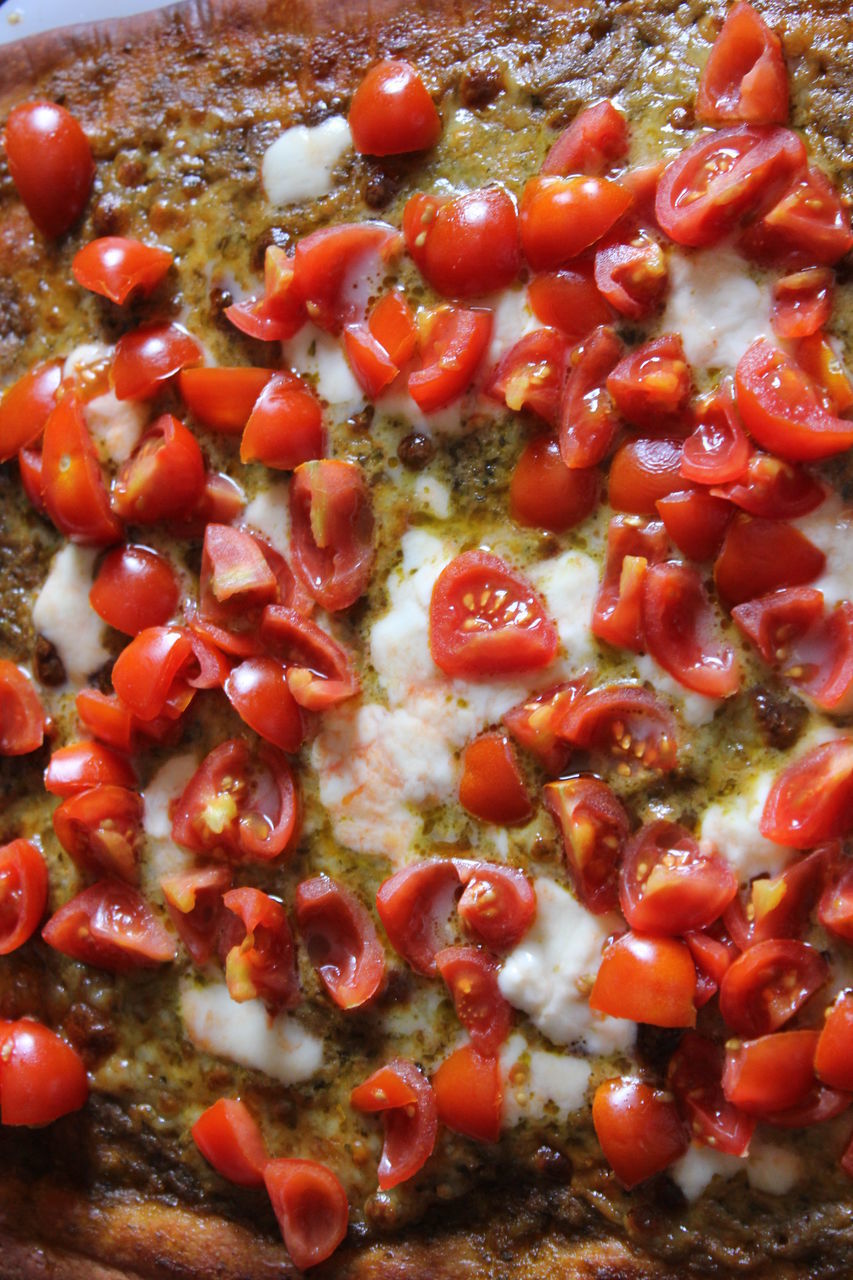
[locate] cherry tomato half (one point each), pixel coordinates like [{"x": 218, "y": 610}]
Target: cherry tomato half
[
  {"x": 116, "y": 268},
  {"x": 594, "y": 827},
  {"x": 41, "y": 1077},
  {"x": 134, "y": 588},
  {"x": 646, "y": 979},
  {"x": 469, "y": 1094},
  {"x": 311, "y": 1207},
  {"x": 392, "y": 113},
  {"x": 331, "y": 536},
  {"x": 639, "y": 1128},
  {"x": 745, "y": 77},
  {"x": 23, "y": 893},
  {"x": 763, "y": 988},
  {"x": 492, "y": 788},
  {"x": 111, "y": 926},
  {"x": 670, "y": 884},
  {"x": 22, "y": 717},
  {"x": 812, "y": 798}
]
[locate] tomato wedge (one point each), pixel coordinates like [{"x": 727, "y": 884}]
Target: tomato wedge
[
  {"x": 725, "y": 178},
  {"x": 116, "y": 267},
  {"x": 102, "y": 830},
  {"x": 810, "y": 800},
  {"x": 695, "y": 1077},
  {"x": 373, "y": 368},
  {"x": 560, "y": 217},
  {"x": 670, "y": 884},
  {"x": 682, "y": 633},
  {"x": 285, "y": 426},
  {"x": 469, "y": 1094},
  {"x": 835, "y": 909},
  {"x": 626, "y": 723},
  {"x": 392, "y": 113},
  {"x": 763, "y": 988},
  {"x": 498, "y": 903},
  {"x": 593, "y": 143},
  {"x": 228, "y": 1136},
  {"x": 759, "y": 556},
  {"x": 223, "y": 399},
  {"x": 22, "y": 717},
  {"x": 802, "y": 302},
  {"x": 632, "y": 545},
  {"x": 568, "y": 300},
  {"x": 588, "y": 418},
  {"x": 771, "y": 1073},
  {"x": 415, "y": 905},
  {"x": 531, "y": 374},
  {"x": 819, "y": 359},
  {"x": 696, "y": 521},
  {"x": 393, "y": 326},
  {"x": 111, "y": 926},
  {"x": 492, "y": 788},
  {"x": 194, "y": 902},
  {"x": 26, "y": 406},
  {"x": 330, "y": 267},
  {"x": 642, "y": 472},
  {"x": 486, "y": 620},
  {"x": 631, "y": 271},
  {"x": 833, "y": 1060},
  {"x": 331, "y": 536},
  {"x": 808, "y": 225},
  {"x": 258, "y": 691},
  {"x": 534, "y": 724},
  {"x": 745, "y": 77},
  {"x": 467, "y": 245},
  {"x": 85, "y": 764},
  {"x": 41, "y": 1077},
  {"x": 410, "y": 1129},
  {"x": 639, "y": 1128},
  {"x": 775, "y": 623},
  {"x": 652, "y": 383},
  {"x": 546, "y": 494},
  {"x": 319, "y": 670},
  {"x": 149, "y": 672},
  {"x": 452, "y": 344},
  {"x": 150, "y": 356},
  {"x": 341, "y": 940},
  {"x": 780, "y": 907},
  {"x": 773, "y": 488},
  {"x": 23, "y": 893},
  {"x": 472, "y": 979},
  {"x": 718, "y": 451},
  {"x": 50, "y": 162},
  {"x": 594, "y": 827},
  {"x": 311, "y": 1207},
  {"x": 262, "y": 965},
  {"x": 782, "y": 408},
  {"x": 71, "y": 482},
  {"x": 646, "y": 979}
]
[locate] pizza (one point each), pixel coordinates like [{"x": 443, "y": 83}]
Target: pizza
[{"x": 426, "y": 643}]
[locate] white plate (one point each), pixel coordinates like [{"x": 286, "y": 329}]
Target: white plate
[{"x": 19, "y": 18}]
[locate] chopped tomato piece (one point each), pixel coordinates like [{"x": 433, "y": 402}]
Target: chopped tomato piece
[
  {"x": 472, "y": 979},
  {"x": 331, "y": 536},
  {"x": 30, "y": 468},
  {"x": 822, "y": 363},
  {"x": 745, "y": 77},
  {"x": 782, "y": 408},
  {"x": 588, "y": 418},
  {"x": 415, "y": 905},
  {"x": 269, "y": 319},
  {"x": 498, "y": 903},
  {"x": 319, "y": 670},
  {"x": 71, "y": 482},
  {"x": 802, "y": 302},
  {"x": 453, "y": 342},
  {"x": 410, "y": 1127},
  {"x": 341, "y": 941},
  {"x": 639, "y": 1128},
  {"x": 560, "y": 217},
  {"x": 646, "y": 979},
  {"x": 712, "y": 956},
  {"x": 150, "y": 356},
  {"x": 812, "y": 798},
  {"x": 469, "y": 1094},
  {"x": 223, "y": 399},
  {"x": 595, "y": 140},
  {"x": 546, "y": 494},
  {"x": 23, "y": 893},
  {"x": 194, "y": 902},
  {"x": 135, "y": 588},
  {"x": 228, "y": 1137},
  {"x": 83, "y": 765},
  {"x": 808, "y": 225},
  {"x": 235, "y": 570},
  {"x": 221, "y": 502},
  {"x": 763, "y": 988},
  {"x": 759, "y": 556},
  {"x": 486, "y": 620},
  {"x": 652, "y": 383},
  {"x": 630, "y": 269},
  {"x": 22, "y": 717},
  {"x": 26, "y": 406},
  {"x": 594, "y": 827},
  {"x": 263, "y": 965},
  {"x": 642, "y": 472},
  {"x": 102, "y": 830},
  {"x": 311, "y": 1207},
  {"x": 773, "y": 488},
  {"x": 373, "y": 368},
  {"x": 725, "y": 178},
  {"x": 628, "y": 724},
  {"x": 670, "y": 884},
  {"x": 285, "y": 425},
  {"x": 833, "y": 1060},
  {"x": 164, "y": 478},
  {"x": 771, "y": 1073},
  {"x": 568, "y": 300},
  {"x": 534, "y": 724},
  {"x": 695, "y": 1077},
  {"x": 819, "y": 1105},
  {"x": 682, "y": 633},
  {"x": 41, "y": 1077},
  {"x": 148, "y": 673},
  {"x": 393, "y": 326},
  {"x": 104, "y": 716},
  {"x": 780, "y": 907},
  {"x": 111, "y": 926},
  {"x": 492, "y": 788},
  {"x": 718, "y": 451},
  {"x": 467, "y": 245},
  {"x": 257, "y": 690},
  {"x": 116, "y": 267},
  {"x": 50, "y": 162},
  {"x": 392, "y": 112},
  {"x": 330, "y": 267},
  {"x": 817, "y": 658},
  {"x": 696, "y": 521},
  {"x": 632, "y": 545},
  {"x": 776, "y": 622},
  {"x": 835, "y": 909},
  {"x": 532, "y": 373},
  {"x": 242, "y": 809}
]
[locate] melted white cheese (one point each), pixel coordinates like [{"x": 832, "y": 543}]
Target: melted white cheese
[
  {"x": 695, "y": 708},
  {"x": 549, "y": 974},
  {"x": 732, "y": 825},
  {"x": 116, "y": 426},
  {"x": 773, "y": 1169},
  {"x": 318, "y": 354},
  {"x": 269, "y": 515},
  {"x": 700, "y": 1165},
  {"x": 538, "y": 1083},
  {"x": 716, "y": 306},
  {"x": 830, "y": 528},
  {"x": 433, "y": 496},
  {"x": 63, "y": 615},
  {"x": 246, "y": 1034},
  {"x": 299, "y": 165},
  {"x": 511, "y": 320},
  {"x": 162, "y": 856}
]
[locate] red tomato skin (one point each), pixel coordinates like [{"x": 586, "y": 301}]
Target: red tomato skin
[
  {"x": 101, "y": 830},
  {"x": 533, "y": 723},
  {"x": 595, "y": 140},
  {"x": 771, "y": 1073},
  {"x": 492, "y": 788},
  {"x": 696, "y": 521},
  {"x": 22, "y": 718},
  {"x": 410, "y": 1128},
  {"x": 546, "y": 494},
  {"x": 85, "y": 764},
  {"x": 456, "y": 341},
  {"x": 311, "y": 1207},
  {"x": 646, "y": 979},
  {"x": 194, "y": 902},
  {"x": 498, "y": 903},
  {"x": 228, "y": 1137},
  {"x": 257, "y": 690},
  {"x": 568, "y": 300},
  {"x": 147, "y": 357},
  {"x": 392, "y": 113},
  {"x": 135, "y": 588},
  {"x": 594, "y": 827},
  {"x": 72, "y": 483},
  {"x": 23, "y": 893},
  {"x": 147, "y": 670},
  {"x": 324, "y": 667},
  {"x": 285, "y": 426},
  {"x": 41, "y": 1077},
  {"x": 643, "y": 471},
  {"x": 833, "y": 1060},
  {"x": 373, "y": 368},
  {"x": 332, "y": 531},
  {"x": 471, "y": 975},
  {"x": 116, "y": 268},
  {"x": 718, "y": 451},
  {"x": 652, "y": 383},
  {"x": 392, "y": 324},
  {"x": 330, "y": 264},
  {"x": 809, "y": 225},
  {"x": 775, "y": 622},
  {"x": 639, "y": 1129},
  {"x": 164, "y": 479},
  {"x": 759, "y": 556},
  {"x": 341, "y": 940},
  {"x": 782, "y": 410},
  {"x": 531, "y": 374},
  {"x": 415, "y": 905},
  {"x": 773, "y": 488},
  {"x": 465, "y": 246},
  {"x": 223, "y": 399},
  {"x": 745, "y": 77},
  {"x": 469, "y": 1094},
  {"x": 695, "y": 1077},
  {"x": 263, "y": 963},
  {"x": 670, "y": 884},
  {"x": 802, "y": 302},
  {"x": 835, "y": 909},
  {"x": 763, "y": 988},
  {"x": 109, "y": 925},
  {"x": 631, "y": 271},
  {"x": 26, "y": 406},
  {"x": 50, "y": 162},
  {"x": 560, "y": 217},
  {"x": 494, "y": 645},
  {"x": 767, "y": 159},
  {"x": 632, "y": 545},
  {"x": 810, "y": 800},
  {"x": 682, "y": 633},
  {"x": 817, "y": 356}
]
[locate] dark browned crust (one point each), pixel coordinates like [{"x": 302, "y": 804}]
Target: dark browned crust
[{"x": 47, "y": 1227}]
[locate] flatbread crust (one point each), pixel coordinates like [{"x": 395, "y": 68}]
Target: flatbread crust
[{"x": 286, "y": 56}]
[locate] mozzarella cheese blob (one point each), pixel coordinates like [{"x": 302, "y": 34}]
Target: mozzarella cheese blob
[
  {"x": 830, "y": 527},
  {"x": 269, "y": 515},
  {"x": 63, "y": 615},
  {"x": 539, "y": 1083},
  {"x": 299, "y": 165},
  {"x": 718, "y": 309},
  {"x": 247, "y": 1034},
  {"x": 700, "y": 1165},
  {"x": 732, "y": 825}
]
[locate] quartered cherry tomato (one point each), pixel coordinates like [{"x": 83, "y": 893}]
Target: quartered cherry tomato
[
  {"x": 835, "y": 909},
  {"x": 594, "y": 142},
  {"x": 392, "y": 324},
  {"x": 772, "y": 488},
  {"x": 469, "y": 1094},
  {"x": 771, "y": 1073},
  {"x": 763, "y": 988},
  {"x": 594, "y": 827},
  {"x": 341, "y": 940},
  {"x": 373, "y": 367},
  {"x": 23, "y": 893},
  {"x": 758, "y": 556},
  {"x": 51, "y": 164},
  {"x": 643, "y": 471},
  {"x": 682, "y": 633},
  {"x": 639, "y": 1128},
  {"x": 471, "y": 975},
  {"x": 26, "y": 406},
  {"x": 257, "y": 690},
  {"x": 22, "y": 717},
  {"x": 228, "y": 1137},
  {"x": 802, "y": 302},
  {"x": 833, "y": 1060},
  {"x": 695, "y": 1077},
  {"x": 262, "y": 965},
  {"x": 546, "y": 494},
  {"x": 330, "y": 267},
  {"x": 568, "y": 300},
  {"x": 116, "y": 267},
  {"x": 285, "y": 426},
  {"x": 652, "y": 383},
  {"x": 780, "y": 906},
  {"x": 150, "y": 671},
  {"x": 134, "y": 588},
  {"x": 102, "y": 830},
  {"x": 588, "y": 418},
  {"x": 498, "y": 903},
  {"x": 147, "y": 357},
  {"x": 492, "y": 788},
  {"x": 812, "y": 798},
  {"x": 633, "y": 544},
  {"x": 822, "y": 363},
  {"x": 646, "y": 979},
  {"x": 320, "y": 673},
  {"x": 392, "y": 113},
  {"x": 194, "y": 902},
  {"x": 415, "y": 906},
  {"x": 808, "y": 225},
  {"x": 111, "y": 926},
  {"x": 670, "y": 884},
  {"x": 331, "y": 536},
  {"x": 453, "y": 342},
  {"x": 531, "y": 374},
  {"x": 311, "y": 1207},
  {"x": 745, "y": 77},
  {"x": 467, "y": 245},
  {"x": 534, "y": 723},
  {"x": 486, "y": 620},
  {"x": 72, "y": 485},
  {"x": 718, "y": 451},
  {"x": 82, "y": 765},
  {"x": 410, "y": 1124},
  {"x": 41, "y": 1077},
  {"x": 696, "y": 521},
  {"x": 560, "y": 217},
  {"x": 626, "y": 724},
  {"x": 223, "y": 398},
  {"x": 631, "y": 271},
  {"x": 782, "y": 408},
  {"x": 776, "y": 622}
]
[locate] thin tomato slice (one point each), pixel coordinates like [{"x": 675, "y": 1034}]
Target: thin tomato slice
[
  {"x": 341, "y": 941},
  {"x": 331, "y": 538},
  {"x": 410, "y": 1129},
  {"x": 763, "y": 988},
  {"x": 498, "y": 903},
  {"x": 228, "y": 1137},
  {"x": 745, "y": 77},
  {"x": 102, "y": 830},
  {"x": 492, "y": 788},
  {"x": 546, "y": 494},
  {"x": 594, "y": 827},
  {"x": 223, "y": 398},
  {"x": 262, "y": 965},
  {"x": 486, "y": 620},
  {"x": 588, "y": 418},
  {"x": 41, "y": 1077},
  {"x": 625, "y": 723},
  {"x": 26, "y": 406},
  {"x": 72, "y": 485},
  {"x": 150, "y": 356},
  {"x": 453, "y": 342},
  {"x": 811, "y": 800},
  {"x": 782, "y": 408},
  {"x": 23, "y": 893},
  {"x": 646, "y": 979},
  {"x": 670, "y": 884},
  {"x": 593, "y": 143},
  {"x": 759, "y": 556},
  {"x": 639, "y": 1128},
  {"x": 682, "y": 633},
  {"x": 111, "y": 926},
  {"x": 311, "y": 1207},
  {"x": 472, "y": 979},
  {"x": 116, "y": 267},
  {"x": 718, "y": 451},
  {"x": 695, "y": 1077},
  {"x": 469, "y": 1094},
  {"x": 22, "y": 717},
  {"x": 285, "y": 426},
  {"x": 771, "y": 1073},
  {"x": 415, "y": 906}
]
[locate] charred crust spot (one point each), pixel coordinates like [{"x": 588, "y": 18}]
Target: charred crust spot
[
  {"x": 781, "y": 720},
  {"x": 480, "y": 85},
  {"x": 416, "y": 451},
  {"x": 131, "y": 172},
  {"x": 381, "y": 184},
  {"x": 47, "y": 663},
  {"x": 90, "y": 1033},
  {"x": 110, "y": 216}
]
